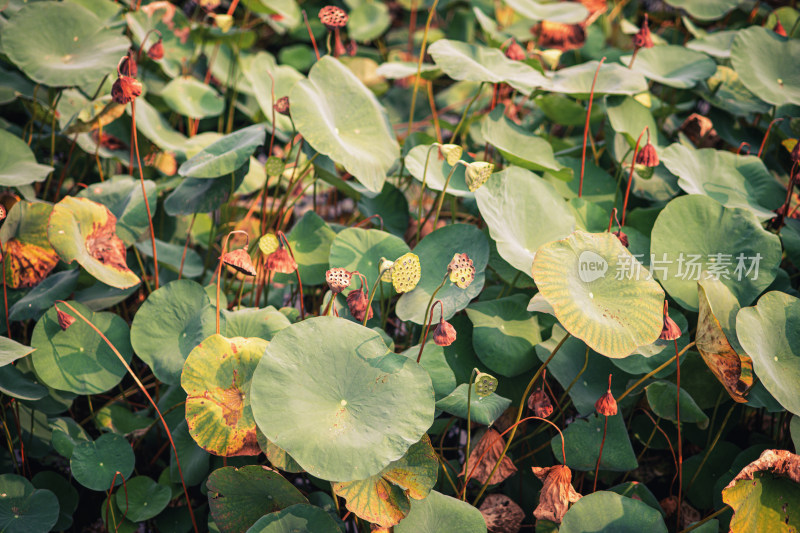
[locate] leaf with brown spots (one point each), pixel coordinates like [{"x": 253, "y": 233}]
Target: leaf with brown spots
[
  {"x": 216, "y": 378},
  {"x": 29, "y": 256},
  {"x": 85, "y": 231},
  {"x": 557, "y": 493},
  {"x": 494, "y": 443}
]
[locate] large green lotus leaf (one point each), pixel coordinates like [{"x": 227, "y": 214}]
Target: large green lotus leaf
[
  {"x": 361, "y": 250},
  {"x": 770, "y": 334},
  {"x": 349, "y": 407},
  {"x": 504, "y": 334},
  {"x": 56, "y": 286},
  {"x": 311, "y": 240},
  {"x": 298, "y": 518},
  {"x": 434, "y": 361},
  {"x": 726, "y": 91},
  {"x": 564, "y": 12},
  {"x": 717, "y": 44},
  {"x": 18, "y": 165},
  {"x": 567, "y": 366},
  {"x": 157, "y": 129},
  {"x": 84, "y": 231},
  {"x": 520, "y": 147},
  {"x": 257, "y": 69},
  {"x": 238, "y": 497},
  {"x": 200, "y": 195},
  {"x": 759, "y": 57},
  {"x": 764, "y": 503},
  {"x": 194, "y": 460},
  {"x": 17, "y": 385},
  {"x": 368, "y": 21},
  {"x": 225, "y": 155},
  {"x": 169, "y": 324},
  {"x": 248, "y": 322},
  {"x": 62, "y": 44},
  {"x": 95, "y": 463},
  {"x": 612, "y": 79},
  {"x": 523, "y": 212},
  {"x": 216, "y": 378},
  {"x": 78, "y": 359},
  {"x": 673, "y": 65},
  {"x": 438, "y": 513},
  {"x": 11, "y": 350},
  {"x": 435, "y": 252},
  {"x": 25, "y": 509},
  {"x": 600, "y": 292},
  {"x": 143, "y": 498},
  {"x": 473, "y": 62},
  {"x": 482, "y": 411},
  {"x": 662, "y": 396},
  {"x": 438, "y": 170},
  {"x": 732, "y": 180},
  {"x": 582, "y": 440},
  {"x": 695, "y": 237},
  {"x": 192, "y": 98},
  {"x": 341, "y": 118},
  {"x": 64, "y": 491},
  {"x": 608, "y": 511},
  {"x": 384, "y": 498},
  {"x": 123, "y": 196}
]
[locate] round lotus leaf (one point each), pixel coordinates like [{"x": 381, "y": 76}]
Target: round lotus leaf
[
  {"x": 78, "y": 359},
  {"x": 342, "y": 119},
  {"x": 673, "y": 65},
  {"x": 250, "y": 322},
  {"x": 732, "y": 180},
  {"x": 225, "y": 155},
  {"x": 62, "y": 44},
  {"x": 696, "y": 238},
  {"x": 238, "y": 497},
  {"x": 482, "y": 409},
  {"x": 368, "y": 21},
  {"x": 216, "y": 378},
  {"x": 600, "y": 292},
  {"x": 361, "y": 250},
  {"x": 25, "y": 509},
  {"x": 435, "y": 252},
  {"x": 95, "y": 463},
  {"x": 192, "y": 98},
  {"x": 349, "y": 406},
  {"x": 64, "y": 491},
  {"x": 764, "y": 503},
  {"x": 84, "y": 231},
  {"x": 759, "y": 57},
  {"x": 438, "y": 513},
  {"x": 566, "y": 13},
  {"x": 144, "y": 498},
  {"x": 523, "y": 212},
  {"x": 298, "y": 518},
  {"x": 608, "y": 511},
  {"x": 612, "y": 79},
  {"x": 473, "y": 62},
  {"x": 770, "y": 334},
  {"x": 169, "y": 324},
  {"x": 18, "y": 165}
]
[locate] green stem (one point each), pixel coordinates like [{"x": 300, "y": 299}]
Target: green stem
[
  {"x": 709, "y": 517},
  {"x": 444, "y": 191},
  {"x": 711, "y": 448},
  {"x": 469, "y": 434},
  {"x": 427, "y": 310},
  {"x": 654, "y": 372},
  {"x": 371, "y": 297},
  {"x": 422, "y": 190},
  {"x": 600, "y": 455},
  {"x": 419, "y": 67},
  {"x": 466, "y": 112}
]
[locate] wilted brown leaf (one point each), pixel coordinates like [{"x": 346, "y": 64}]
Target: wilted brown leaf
[
  {"x": 494, "y": 443},
  {"x": 780, "y": 462},
  {"x": 502, "y": 514},
  {"x": 104, "y": 245},
  {"x": 557, "y": 493},
  {"x": 27, "y": 264}
]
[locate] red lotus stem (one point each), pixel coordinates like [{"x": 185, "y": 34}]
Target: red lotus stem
[
  {"x": 282, "y": 237},
  {"x": 144, "y": 191},
  {"x": 586, "y": 127},
  {"x": 630, "y": 177},
  {"x": 766, "y": 134},
  {"x": 311, "y": 34},
  {"x": 225, "y": 243},
  {"x": 108, "y": 506},
  {"x": 680, "y": 440},
  {"x": 5, "y": 298},
  {"x": 427, "y": 326}
]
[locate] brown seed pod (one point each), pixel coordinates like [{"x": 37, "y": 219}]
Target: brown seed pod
[
  {"x": 515, "y": 52},
  {"x": 622, "y": 237},
  {"x": 282, "y": 105},
  {"x": 606, "y": 405},
  {"x": 642, "y": 39},
  {"x": 281, "y": 261},
  {"x": 539, "y": 403},
  {"x": 338, "y": 279},
  {"x": 357, "y": 304},
  {"x": 125, "y": 89},
  {"x": 240, "y": 260},
  {"x": 127, "y": 66},
  {"x": 156, "y": 51},
  {"x": 671, "y": 330},
  {"x": 65, "y": 320},
  {"x": 647, "y": 156},
  {"x": 333, "y": 17},
  {"x": 444, "y": 334}
]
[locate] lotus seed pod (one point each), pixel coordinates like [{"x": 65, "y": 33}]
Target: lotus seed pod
[
  {"x": 385, "y": 269},
  {"x": 477, "y": 174},
  {"x": 268, "y": 243},
  {"x": 274, "y": 166},
  {"x": 282, "y": 106},
  {"x": 3, "y": 212},
  {"x": 281, "y": 261},
  {"x": 156, "y": 51},
  {"x": 357, "y": 303},
  {"x": 65, "y": 320},
  {"x": 515, "y": 52},
  {"x": 338, "y": 279},
  {"x": 406, "y": 273},
  {"x": 622, "y": 237},
  {"x": 125, "y": 89},
  {"x": 642, "y": 39},
  {"x": 127, "y": 66},
  {"x": 647, "y": 156},
  {"x": 461, "y": 270},
  {"x": 240, "y": 260},
  {"x": 561, "y": 36},
  {"x": 606, "y": 405},
  {"x": 485, "y": 384},
  {"x": 451, "y": 152},
  {"x": 539, "y": 403},
  {"x": 671, "y": 330},
  {"x": 444, "y": 334},
  {"x": 333, "y": 17}
]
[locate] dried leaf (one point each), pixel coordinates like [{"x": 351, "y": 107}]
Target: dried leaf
[
  {"x": 502, "y": 514},
  {"x": 494, "y": 443},
  {"x": 27, "y": 264},
  {"x": 557, "y": 493},
  {"x": 780, "y": 462}
]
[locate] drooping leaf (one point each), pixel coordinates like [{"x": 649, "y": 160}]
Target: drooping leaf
[
  {"x": 770, "y": 333},
  {"x": 95, "y": 464},
  {"x": 339, "y": 117},
  {"x": 238, "y": 497},
  {"x": 608, "y": 511},
  {"x": 485, "y": 455},
  {"x": 123, "y": 197},
  {"x": 216, "y": 378},
  {"x": 18, "y": 165},
  {"x": 661, "y": 395},
  {"x": 11, "y": 350},
  {"x": 347, "y": 413},
  {"x": 600, "y": 292},
  {"x": 84, "y": 231},
  {"x": 438, "y": 513}
]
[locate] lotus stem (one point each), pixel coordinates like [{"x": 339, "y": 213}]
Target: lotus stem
[
  {"x": 766, "y": 135},
  {"x": 371, "y": 297},
  {"x": 469, "y": 427},
  {"x": 5, "y": 294},
  {"x": 422, "y": 190},
  {"x": 630, "y": 177},
  {"x": 654, "y": 372},
  {"x": 680, "y": 439},
  {"x": 431, "y": 13},
  {"x": 430, "y": 303},
  {"x": 586, "y": 127},
  {"x": 311, "y": 34},
  {"x": 426, "y": 329},
  {"x": 466, "y": 112},
  {"x": 602, "y": 444},
  {"x": 225, "y": 243},
  {"x": 135, "y": 136},
  {"x": 711, "y": 448},
  {"x": 186, "y": 245},
  {"x": 444, "y": 191},
  {"x": 282, "y": 237}
]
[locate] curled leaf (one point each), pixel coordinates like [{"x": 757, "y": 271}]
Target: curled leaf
[
  {"x": 490, "y": 447},
  {"x": 779, "y": 462},
  {"x": 557, "y": 493}
]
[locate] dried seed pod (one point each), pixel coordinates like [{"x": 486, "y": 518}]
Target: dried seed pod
[
  {"x": 406, "y": 272},
  {"x": 65, "y": 320},
  {"x": 333, "y": 17},
  {"x": 642, "y": 39},
  {"x": 282, "y": 105},
  {"x": 606, "y": 405},
  {"x": 647, "y": 156},
  {"x": 515, "y": 52},
  {"x": 485, "y": 384},
  {"x": 385, "y": 269},
  {"x": 126, "y": 89},
  {"x": 444, "y": 334},
  {"x": 240, "y": 260},
  {"x": 561, "y": 36},
  {"x": 461, "y": 270},
  {"x": 338, "y": 279},
  {"x": 3, "y": 213},
  {"x": 622, "y": 237},
  {"x": 501, "y": 514},
  {"x": 357, "y": 304},
  {"x": 477, "y": 173},
  {"x": 671, "y": 330},
  {"x": 281, "y": 261},
  {"x": 539, "y": 403},
  {"x": 156, "y": 52},
  {"x": 127, "y": 66}
]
